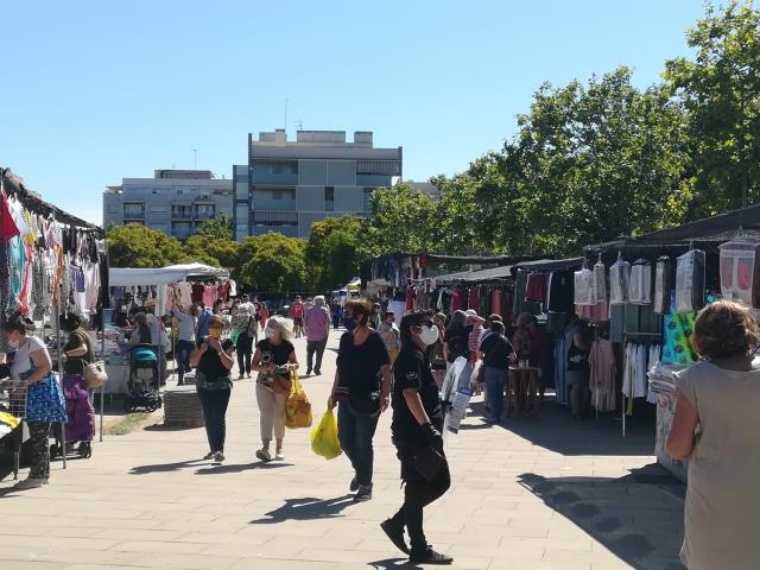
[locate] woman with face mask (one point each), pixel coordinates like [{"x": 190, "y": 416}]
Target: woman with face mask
[
  {"x": 213, "y": 359},
  {"x": 416, "y": 428},
  {"x": 274, "y": 359},
  {"x": 361, "y": 387},
  {"x": 31, "y": 369}
]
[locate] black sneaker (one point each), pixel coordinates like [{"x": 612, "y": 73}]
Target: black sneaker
[
  {"x": 395, "y": 532},
  {"x": 308, "y": 371},
  {"x": 317, "y": 372},
  {"x": 364, "y": 493},
  {"x": 430, "y": 556},
  {"x": 354, "y": 486}
]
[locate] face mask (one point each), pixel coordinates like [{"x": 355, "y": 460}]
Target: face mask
[
  {"x": 14, "y": 344},
  {"x": 349, "y": 323},
  {"x": 429, "y": 335},
  {"x": 268, "y": 332},
  {"x": 215, "y": 333}
]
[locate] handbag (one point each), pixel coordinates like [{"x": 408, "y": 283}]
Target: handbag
[
  {"x": 297, "y": 407},
  {"x": 95, "y": 374},
  {"x": 45, "y": 401},
  {"x": 426, "y": 461}
]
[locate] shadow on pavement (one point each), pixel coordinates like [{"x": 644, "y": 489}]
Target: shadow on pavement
[
  {"x": 550, "y": 427},
  {"x": 163, "y": 467},
  {"x": 306, "y": 509},
  {"x": 638, "y": 517},
  {"x": 239, "y": 467},
  {"x": 390, "y": 563}
]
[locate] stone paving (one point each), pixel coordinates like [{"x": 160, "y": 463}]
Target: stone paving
[{"x": 537, "y": 493}]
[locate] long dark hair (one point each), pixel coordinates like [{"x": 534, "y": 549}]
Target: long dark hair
[{"x": 409, "y": 321}]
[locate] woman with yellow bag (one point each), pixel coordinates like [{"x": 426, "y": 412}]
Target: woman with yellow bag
[{"x": 274, "y": 358}]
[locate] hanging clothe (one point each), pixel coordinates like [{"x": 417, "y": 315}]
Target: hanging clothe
[{"x": 603, "y": 370}]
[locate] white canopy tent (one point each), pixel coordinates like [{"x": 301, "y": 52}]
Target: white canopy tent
[{"x": 143, "y": 276}]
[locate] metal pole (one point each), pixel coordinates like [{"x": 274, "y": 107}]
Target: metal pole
[{"x": 57, "y": 329}]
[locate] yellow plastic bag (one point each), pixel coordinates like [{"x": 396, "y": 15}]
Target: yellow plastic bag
[
  {"x": 297, "y": 407},
  {"x": 324, "y": 437}
]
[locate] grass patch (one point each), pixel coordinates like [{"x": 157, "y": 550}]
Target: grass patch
[{"x": 127, "y": 424}]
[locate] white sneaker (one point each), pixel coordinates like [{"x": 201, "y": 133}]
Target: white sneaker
[
  {"x": 280, "y": 455},
  {"x": 264, "y": 455}
]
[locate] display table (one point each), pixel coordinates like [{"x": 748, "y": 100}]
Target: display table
[
  {"x": 521, "y": 389},
  {"x": 118, "y": 379}
]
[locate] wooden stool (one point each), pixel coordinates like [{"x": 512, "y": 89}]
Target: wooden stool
[{"x": 521, "y": 389}]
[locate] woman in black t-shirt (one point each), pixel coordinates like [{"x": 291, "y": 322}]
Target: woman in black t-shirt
[
  {"x": 273, "y": 360},
  {"x": 362, "y": 384},
  {"x": 213, "y": 359},
  {"x": 416, "y": 427}
]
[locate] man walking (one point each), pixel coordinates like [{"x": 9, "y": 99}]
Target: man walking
[{"x": 317, "y": 323}]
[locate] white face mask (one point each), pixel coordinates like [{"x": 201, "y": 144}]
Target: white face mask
[
  {"x": 14, "y": 344},
  {"x": 268, "y": 332},
  {"x": 429, "y": 335}
]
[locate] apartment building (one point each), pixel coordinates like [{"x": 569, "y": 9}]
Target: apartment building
[
  {"x": 288, "y": 185},
  {"x": 175, "y": 202}
]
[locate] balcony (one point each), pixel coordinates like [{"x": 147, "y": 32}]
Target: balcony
[
  {"x": 179, "y": 213},
  {"x": 378, "y": 180}
]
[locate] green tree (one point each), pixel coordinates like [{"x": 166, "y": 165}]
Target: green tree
[
  {"x": 272, "y": 262},
  {"x": 213, "y": 250},
  {"x": 134, "y": 245},
  {"x": 218, "y": 227},
  {"x": 720, "y": 89},
  {"x": 335, "y": 251},
  {"x": 402, "y": 220}
]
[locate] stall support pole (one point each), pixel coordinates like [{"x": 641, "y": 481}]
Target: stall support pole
[
  {"x": 57, "y": 329},
  {"x": 103, "y": 358}
]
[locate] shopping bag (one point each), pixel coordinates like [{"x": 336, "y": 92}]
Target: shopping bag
[
  {"x": 324, "y": 437},
  {"x": 297, "y": 407}
]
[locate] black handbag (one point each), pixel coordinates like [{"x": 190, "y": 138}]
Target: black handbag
[{"x": 427, "y": 461}]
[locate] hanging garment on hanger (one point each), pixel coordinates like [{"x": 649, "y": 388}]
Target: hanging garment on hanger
[
  {"x": 496, "y": 299},
  {"x": 620, "y": 273},
  {"x": 603, "y": 370},
  {"x": 690, "y": 281},
  {"x": 535, "y": 288},
  {"x": 635, "y": 371},
  {"x": 584, "y": 287},
  {"x": 600, "y": 281},
  {"x": 740, "y": 271},
  {"x": 640, "y": 283},
  {"x": 560, "y": 294},
  {"x": 663, "y": 272}
]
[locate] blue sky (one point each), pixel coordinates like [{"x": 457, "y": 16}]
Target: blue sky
[{"x": 95, "y": 90}]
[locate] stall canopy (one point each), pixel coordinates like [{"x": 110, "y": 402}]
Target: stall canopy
[
  {"x": 495, "y": 274},
  {"x": 143, "y": 276}
]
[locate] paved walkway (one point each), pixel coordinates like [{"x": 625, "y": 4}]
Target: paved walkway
[{"x": 540, "y": 493}]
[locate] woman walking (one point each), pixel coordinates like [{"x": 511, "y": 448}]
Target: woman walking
[
  {"x": 274, "y": 359},
  {"x": 497, "y": 355},
  {"x": 361, "y": 387},
  {"x": 713, "y": 427},
  {"x": 416, "y": 428},
  {"x": 45, "y": 404},
  {"x": 213, "y": 359}
]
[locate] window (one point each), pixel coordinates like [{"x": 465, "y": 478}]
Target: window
[
  {"x": 134, "y": 210},
  {"x": 329, "y": 193},
  {"x": 205, "y": 211},
  {"x": 182, "y": 211},
  {"x": 283, "y": 168},
  {"x": 276, "y": 194},
  {"x": 388, "y": 167},
  {"x": 368, "y": 198}
]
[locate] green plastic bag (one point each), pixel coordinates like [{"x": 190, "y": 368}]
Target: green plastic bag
[{"x": 324, "y": 437}]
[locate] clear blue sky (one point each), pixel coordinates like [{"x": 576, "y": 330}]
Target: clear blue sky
[{"x": 96, "y": 90}]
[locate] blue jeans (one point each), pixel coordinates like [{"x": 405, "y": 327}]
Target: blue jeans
[
  {"x": 184, "y": 348},
  {"x": 355, "y": 433},
  {"x": 496, "y": 378},
  {"x": 214, "y": 404}
]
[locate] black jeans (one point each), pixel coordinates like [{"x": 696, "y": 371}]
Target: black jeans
[
  {"x": 39, "y": 450},
  {"x": 317, "y": 346},
  {"x": 418, "y": 493},
  {"x": 214, "y": 404},
  {"x": 355, "y": 433},
  {"x": 244, "y": 349},
  {"x": 184, "y": 348}
]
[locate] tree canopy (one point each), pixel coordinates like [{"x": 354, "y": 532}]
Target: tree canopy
[{"x": 134, "y": 245}]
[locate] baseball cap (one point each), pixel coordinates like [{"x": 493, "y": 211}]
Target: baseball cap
[{"x": 473, "y": 314}]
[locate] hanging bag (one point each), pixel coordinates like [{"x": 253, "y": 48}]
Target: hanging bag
[
  {"x": 95, "y": 374},
  {"x": 297, "y": 407},
  {"x": 324, "y": 437}
]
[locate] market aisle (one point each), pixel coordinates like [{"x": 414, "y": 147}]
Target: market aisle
[{"x": 549, "y": 495}]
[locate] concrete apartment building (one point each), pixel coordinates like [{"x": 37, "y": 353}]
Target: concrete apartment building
[
  {"x": 175, "y": 202},
  {"x": 288, "y": 185}
]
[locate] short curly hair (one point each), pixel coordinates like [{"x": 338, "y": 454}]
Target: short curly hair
[{"x": 725, "y": 328}]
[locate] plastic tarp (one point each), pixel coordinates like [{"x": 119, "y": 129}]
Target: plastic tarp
[{"x": 143, "y": 276}]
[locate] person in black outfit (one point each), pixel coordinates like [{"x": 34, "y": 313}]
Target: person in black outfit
[
  {"x": 416, "y": 428},
  {"x": 213, "y": 359}
]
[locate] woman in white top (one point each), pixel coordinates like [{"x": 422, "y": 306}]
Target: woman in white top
[
  {"x": 716, "y": 427},
  {"x": 45, "y": 404}
]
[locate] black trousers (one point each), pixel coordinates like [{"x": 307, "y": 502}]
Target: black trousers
[
  {"x": 313, "y": 346},
  {"x": 418, "y": 493},
  {"x": 244, "y": 349},
  {"x": 39, "y": 450}
]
